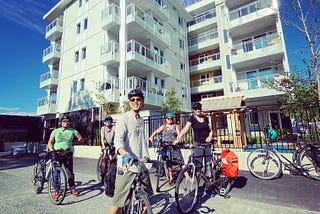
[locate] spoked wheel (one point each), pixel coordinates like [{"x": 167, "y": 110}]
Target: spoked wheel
[
  {"x": 139, "y": 204},
  {"x": 223, "y": 186},
  {"x": 264, "y": 164},
  {"x": 310, "y": 167},
  {"x": 37, "y": 179},
  {"x": 161, "y": 176},
  {"x": 186, "y": 192},
  {"x": 57, "y": 185},
  {"x": 99, "y": 169}
]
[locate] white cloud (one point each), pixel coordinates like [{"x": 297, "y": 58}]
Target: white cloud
[{"x": 15, "y": 111}]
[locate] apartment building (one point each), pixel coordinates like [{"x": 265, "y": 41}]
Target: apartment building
[
  {"x": 111, "y": 47},
  {"x": 235, "y": 47}
]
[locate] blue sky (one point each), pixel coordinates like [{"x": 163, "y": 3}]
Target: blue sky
[{"x": 22, "y": 40}]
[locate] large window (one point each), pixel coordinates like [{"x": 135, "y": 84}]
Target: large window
[
  {"x": 74, "y": 87},
  {"x": 85, "y": 23},
  {"x": 84, "y": 53},
  {"x": 76, "y": 56},
  {"x": 82, "y": 85}
]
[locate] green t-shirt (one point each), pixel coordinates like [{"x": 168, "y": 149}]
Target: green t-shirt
[{"x": 63, "y": 138}]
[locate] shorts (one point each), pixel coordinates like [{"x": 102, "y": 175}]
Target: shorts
[{"x": 123, "y": 185}]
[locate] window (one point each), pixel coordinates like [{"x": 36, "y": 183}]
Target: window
[
  {"x": 84, "y": 53},
  {"x": 183, "y": 92},
  {"x": 181, "y": 21},
  {"x": 74, "y": 87},
  {"x": 253, "y": 118},
  {"x": 78, "y": 28},
  {"x": 181, "y": 43},
  {"x": 82, "y": 85},
  {"x": 182, "y": 67},
  {"x": 76, "y": 56},
  {"x": 204, "y": 77},
  {"x": 80, "y": 3},
  {"x": 252, "y": 79},
  {"x": 85, "y": 23},
  {"x": 228, "y": 61}
]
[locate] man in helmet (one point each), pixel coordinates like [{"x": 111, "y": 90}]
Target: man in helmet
[
  {"x": 130, "y": 142},
  {"x": 61, "y": 139}
]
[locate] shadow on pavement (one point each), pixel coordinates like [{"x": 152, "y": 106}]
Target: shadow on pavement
[
  {"x": 240, "y": 182},
  {"x": 164, "y": 200},
  {"x": 18, "y": 161}
]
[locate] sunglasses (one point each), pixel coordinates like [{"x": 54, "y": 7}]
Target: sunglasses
[
  {"x": 169, "y": 118},
  {"x": 197, "y": 109},
  {"x": 66, "y": 121},
  {"x": 135, "y": 100}
]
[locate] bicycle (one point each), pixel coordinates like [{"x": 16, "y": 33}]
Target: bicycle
[
  {"x": 266, "y": 163},
  {"x": 138, "y": 201},
  {"x": 49, "y": 169},
  {"x": 164, "y": 156},
  {"x": 102, "y": 162},
  {"x": 186, "y": 192}
]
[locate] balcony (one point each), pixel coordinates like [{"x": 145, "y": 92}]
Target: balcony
[
  {"x": 158, "y": 7},
  {"x": 255, "y": 87},
  {"x": 202, "y": 22},
  {"x": 51, "y": 55},
  {"x": 143, "y": 28},
  {"x": 204, "y": 42},
  {"x": 206, "y": 85},
  {"x": 46, "y": 106},
  {"x": 110, "y": 54},
  {"x": 141, "y": 60},
  {"x": 54, "y": 30},
  {"x": 110, "y": 18},
  {"x": 110, "y": 89},
  {"x": 49, "y": 80},
  {"x": 258, "y": 51},
  {"x": 252, "y": 17},
  {"x": 205, "y": 63}
]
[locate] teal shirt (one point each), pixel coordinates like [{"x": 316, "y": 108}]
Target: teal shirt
[{"x": 63, "y": 138}]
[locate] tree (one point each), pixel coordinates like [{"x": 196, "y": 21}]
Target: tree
[
  {"x": 172, "y": 103},
  {"x": 304, "y": 16}
]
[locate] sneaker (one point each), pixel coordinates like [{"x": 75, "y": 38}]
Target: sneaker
[
  {"x": 56, "y": 195},
  {"x": 74, "y": 191}
]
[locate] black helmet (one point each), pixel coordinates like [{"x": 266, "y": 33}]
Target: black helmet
[
  {"x": 65, "y": 117},
  {"x": 135, "y": 92},
  {"x": 108, "y": 119},
  {"x": 196, "y": 106}
]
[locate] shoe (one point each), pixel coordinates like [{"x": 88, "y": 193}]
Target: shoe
[
  {"x": 74, "y": 191},
  {"x": 56, "y": 195}
]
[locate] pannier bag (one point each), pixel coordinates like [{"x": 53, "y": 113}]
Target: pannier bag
[
  {"x": 110, "y": 177},
  {"x": 230, "y": 164}
]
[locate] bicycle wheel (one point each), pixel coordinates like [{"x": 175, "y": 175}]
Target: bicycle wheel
[
  {"x": 37, "y": 179},
  {"x": 223, "y": 185},
  {"x": 57, "y": 182},
  {"x": 264, "y": 164},
  {"x": 310, "y": 167},
  {"x": 99, "y": 169},
  {"x": 161, "y": 176},
  {"x": 186, "y": 192},
  {"x": 139, "y": 204}
]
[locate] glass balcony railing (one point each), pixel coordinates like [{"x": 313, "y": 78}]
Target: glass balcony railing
[
  {"x": 54, "y": 24},
  {"x": 203, "y": 37},
  {"x": 204, "y": 59},
  {"x": 202, "y": 17},
  {"x": 253, "y": 83},
  {"x": 49, "y": 75},
  {"x": 187, "y": 3},
  {"x": 249, "y": 8},
  {"x": 110, "y": 13},
  {"x": 53, "y": 49},
  {"x": 206, "y": 81},
  {"x": 110, "y": 47},
  {"x": 47, "y": 101}
]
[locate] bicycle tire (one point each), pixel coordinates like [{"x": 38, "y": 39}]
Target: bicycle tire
[
  {"x": 163, "y": 176},
  {"x": 223, "y": 185},
  {"x": 99, "y": 170},
  {"x": 186, "y": 193},
  {"x": 37, "y": 178},
  {"x": 137, "y": 203},
  {"x": 309, "y": 166},
  {"x": 60, "y": 185},
  {"x": 264, "y": 164}
]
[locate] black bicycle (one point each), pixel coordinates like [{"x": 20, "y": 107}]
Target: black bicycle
[
  {"x": 189, "y": 180},
  {"x": 165, "y": 157},
  {"x": 138, "y": 201},
  {"x": 104, "y": 162},
  {"x": 49, "y": 169},
  {"x": 266, "y": 163}
]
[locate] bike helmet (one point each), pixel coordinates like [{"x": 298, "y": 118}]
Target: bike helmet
[
  {"x": 136, "y": 92},
  {"x": 272, "y": 134},
  {"x": 65, "y": 117},
  {"x": 169, "y": 114},
  {"x": 196, "y": 106},
  {"x": 108, "y": 119}
]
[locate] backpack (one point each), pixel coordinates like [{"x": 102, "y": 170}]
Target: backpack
[
  {"x": 110, "y": 177},
  {"x": 230, "y": 164}
]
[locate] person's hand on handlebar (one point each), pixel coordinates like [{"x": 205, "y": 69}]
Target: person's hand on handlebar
[{"x": 126, "y": 162}]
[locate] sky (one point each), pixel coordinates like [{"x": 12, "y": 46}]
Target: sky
[{"x": 22, "y": 40}]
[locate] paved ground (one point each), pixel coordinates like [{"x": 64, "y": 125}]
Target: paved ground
[{"x": 289, "y": 194}]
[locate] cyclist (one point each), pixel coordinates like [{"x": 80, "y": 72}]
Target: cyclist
[
  {"x": 61, "y": 139},
  {"x": 170, "y": 132},
  {"x": 130, "y": 142},
  {"x": 202, "y": 134},
  {"x": 107, "y": 138}
]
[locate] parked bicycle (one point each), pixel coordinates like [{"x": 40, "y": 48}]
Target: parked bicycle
[
  {"x": 49, "y": 169},
  {"x": 165, "y": 157},
  {"x": 103, "y": 163},
  {"x": 267, "y": 163},
  {"x": 138, "y": 201},
  {"x": 186, "y": 191}
]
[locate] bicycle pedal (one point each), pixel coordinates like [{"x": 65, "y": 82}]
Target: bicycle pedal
[{"x": 226, "y": 196}]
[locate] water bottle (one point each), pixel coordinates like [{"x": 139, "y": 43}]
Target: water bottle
[{"x": 209, "y": 172}]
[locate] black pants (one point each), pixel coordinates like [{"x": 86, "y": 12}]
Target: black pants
[
  {"x": 67, "y": 161},
  {"x": 201, "y": 153}
]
